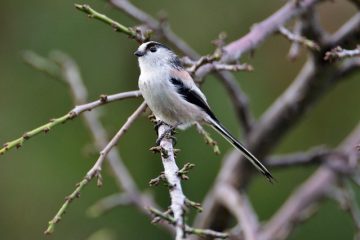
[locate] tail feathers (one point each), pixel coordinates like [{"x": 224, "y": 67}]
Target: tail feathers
[{"x": 225, "y": 133}]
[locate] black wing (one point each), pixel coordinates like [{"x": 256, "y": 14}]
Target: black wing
[{"x": 192, "y": 97}]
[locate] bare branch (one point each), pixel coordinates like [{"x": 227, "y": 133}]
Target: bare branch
[
  {"x": 174, "y": 180},
  {"x": 299, "y": 39},
  {"x": 347, "y": 35},
  {"x": 295, "y": 46},
  {"x": 72, "y": 113},
  {"x": 340, "y": 53},
  {"x": 95, "y": 171},
  {"x": 156, "y": 25},
  {"x": 233, "y": 67},
  {"x": 315, "y": 78},
  {"x": 264, "y": 29},
  {"x": 239, "y": 205},
  {"x": 314, "y": 156},
  {"x": 136, "y": 34},
  {"x": 310, "y": 84},
  {"x": 199, "y": 232},
  {"x": 349, "y": 66},
  {"x": 42, "y": 65},
  {"x": 345, "y": 196},
  {"x": 260, "y": 32},
  {"x": 208, "y": 140},
  {"x": 239, "y": 100},
  {"x": 311, "y": 192},
  {"x": 70, "y": 74},
  {"x": 195, "y": 65}
]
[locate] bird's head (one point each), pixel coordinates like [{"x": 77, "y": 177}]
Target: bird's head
[{"x": 153, "y": 55}]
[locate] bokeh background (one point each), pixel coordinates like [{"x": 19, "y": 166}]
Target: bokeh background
[{"x": 35, "y": 179}]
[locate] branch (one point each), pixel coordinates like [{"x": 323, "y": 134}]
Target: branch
[
  {"x": 206, "y": 233},
  {"x": 299, "y": 39},
  {"x": 95, "y": 171},
  {"x": 295, "y": 46},
  {"x": 208, "y": 139},
  {"x": 314, "y": 156},
  {"x": 132, "y": 33},
  {"x": 239, "y": 100},
  {"x": 67, "y": 71},
  {"x": 264, "y": 29},
  {"x": 311, "y": 83},
  {"x": 174, "y": 180},
  {"x": 345, "y": 196},
  {"x": 340, "y": 53},
  {"x": 163, "y": 29},
  {"x": 260, "y": 32},
  {"x": 312, "y": 191},
  {"x": 233, "y": 67},
  {"x": 71, "y": 115},
  {"x": 349, "y": 66},
  {"x": 239, "y": 205},
  {"x": 195, "y": 65},
  {"x": 347, "y": 35},
  {"x": 41, "y": 64}
]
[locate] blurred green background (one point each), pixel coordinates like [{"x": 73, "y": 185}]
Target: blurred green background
[{"x": 35, "y": 179}]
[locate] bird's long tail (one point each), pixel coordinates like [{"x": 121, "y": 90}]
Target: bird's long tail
[{"x": 226, "y": 134}]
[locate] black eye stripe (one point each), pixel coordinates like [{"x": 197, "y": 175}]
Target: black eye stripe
[{"x": 155, "y": 44}]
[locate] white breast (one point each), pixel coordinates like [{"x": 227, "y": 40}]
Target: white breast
[{"x": 166, "y": 104}]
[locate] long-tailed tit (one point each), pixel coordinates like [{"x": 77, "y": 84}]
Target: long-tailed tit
[{"x": 173, "y": 97}]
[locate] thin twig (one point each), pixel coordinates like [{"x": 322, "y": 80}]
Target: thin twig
[
  {"x": 132, "y": 33},
  {"x": 340, "y": 53},
  {"x": 299, "y": 39},
  {"x": 163, "y": 29},
  {"x": 208, "y": 139},
  {"x": 233, "y": 67},
  {"x": 261, "y": 31},
  {"x": 71, "y": 115},
  {"x": 95, "y": 171},
  {"x": 190, "y": 230},
  {"x": 295, "y": 46},
  {"x": 202, "y": 61}
]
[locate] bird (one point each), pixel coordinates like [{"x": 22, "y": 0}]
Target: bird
[{"x": 174, "y": 98}]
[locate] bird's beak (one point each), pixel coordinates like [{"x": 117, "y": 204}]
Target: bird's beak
[{"x": 139, "y": 53}]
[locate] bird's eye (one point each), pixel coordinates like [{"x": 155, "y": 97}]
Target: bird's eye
[{"x": 152, "y": 49}]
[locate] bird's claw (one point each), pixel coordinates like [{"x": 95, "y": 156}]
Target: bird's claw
[
  {"x": 168, "y": 133},
  {"x": 157, "y": 125}
]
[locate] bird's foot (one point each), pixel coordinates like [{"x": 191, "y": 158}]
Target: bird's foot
[
  {"x": 158, "y": 123},
  {"x": 168, "y": 133}
]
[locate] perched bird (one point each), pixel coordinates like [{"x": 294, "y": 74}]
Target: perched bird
[{"x": 173, "y": 97}]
